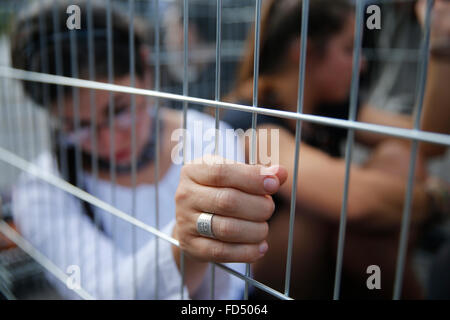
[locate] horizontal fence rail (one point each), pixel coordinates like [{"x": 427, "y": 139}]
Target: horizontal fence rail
[{"x": 411, "y": 134}]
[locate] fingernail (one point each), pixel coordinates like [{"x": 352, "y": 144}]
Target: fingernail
[
  {"x": 271, "y": 185},
  {"x": 263, "y": 247}
]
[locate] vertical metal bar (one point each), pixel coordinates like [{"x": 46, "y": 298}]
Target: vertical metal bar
[
  {"x": 19, "y": 106},
  {"x": 94, "y": 153},
  {"x": 185, "y": 68},
  {"x": 403, "y": 245},
  {"x": 298, "y": 128},
  {"x": 185, "y": 107},
  {"x": 157, "y": 88},
  {"x": 6, "y": 102},
  {"x": 9, "y": 142},
  {"x": 217, "y": 111},
  {"x": 62, "y": 150},
  {"x": 30, "y": 140},
  {"x": 4, "y": 116},
  {"x": 76, "y": 123},
  {"x": 255, "y": 79},
  {"x": 13, "y": 103},
  {"x": 218, "y": 62},
  {"x": 28, "y": 111},
  {"x": 46, "y": 100},
  {"x": 112, "y": 161},
  {"x": 133, "y": 140},
  {"x": 255, "y": 104},
  {"x": 350, "y": 139}
]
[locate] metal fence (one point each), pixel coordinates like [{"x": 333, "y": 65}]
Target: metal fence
[{"x": 19, "y": 157}]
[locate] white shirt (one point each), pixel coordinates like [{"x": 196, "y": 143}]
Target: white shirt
[{"x": 53, "y": 221}]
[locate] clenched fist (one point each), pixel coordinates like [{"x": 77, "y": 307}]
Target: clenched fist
[{"x": 239, "y": 197}]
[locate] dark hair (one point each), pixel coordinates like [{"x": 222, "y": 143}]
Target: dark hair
[
  {"x": 281, "y": 24},
  {"x": 28, "y": 54},
  {"x": 31, "y": 52},
  {"x": 202, "y": 15}
]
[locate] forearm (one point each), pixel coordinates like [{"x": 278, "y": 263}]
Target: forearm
[
  {"x": 375, "y": 198},
  {"x": 374, "y": 115},
  {"x": 383, "y": 201},
  {"x": 435, "y": 115},
  {"x": 436, "y": 109}
]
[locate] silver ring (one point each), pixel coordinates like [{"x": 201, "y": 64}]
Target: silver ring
[{"x": 204, "y": 225}]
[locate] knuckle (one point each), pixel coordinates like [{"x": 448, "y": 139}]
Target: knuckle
[
  {"x": 225, "y": 200},
  {"x": 266, "y": 208},
  {"x": 218, "y": 251},
  {"x": 269, "y": 208},
  {"x": 249, "y": 254},
  {"x": 181, "y": 194},
  {"x": 227, "y": 228},
  {"x": 265, "y": 230},
  {"x": 204, "y": 253},
  {"x": 181, "y": 219},
  {"x": 185, "y": 244},
  {"x": 217, "y": 172},
  {"x": 185, "y": 171}
]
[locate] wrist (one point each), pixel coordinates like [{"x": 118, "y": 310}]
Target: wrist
[{"x": 194, "y": 269}]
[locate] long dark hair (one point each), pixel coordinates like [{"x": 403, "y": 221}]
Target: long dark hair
[
  {"x": 280, "y": 26},
  {"x": 28, "y": 54}
]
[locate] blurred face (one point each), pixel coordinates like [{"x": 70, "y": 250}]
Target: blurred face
[
  {"x": 332, "y": 73},
  {"x": 122, "y": 122}
]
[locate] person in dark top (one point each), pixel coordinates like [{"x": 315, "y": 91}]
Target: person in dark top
[{"x": 377, "y": 187}]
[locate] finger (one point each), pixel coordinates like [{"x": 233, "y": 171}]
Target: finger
[
  {"x": 233, "y": 230},
  {"x": 221, "y": 252},
  {"x": 254, "y": 179},
  {"x": 229, "y": 202}
]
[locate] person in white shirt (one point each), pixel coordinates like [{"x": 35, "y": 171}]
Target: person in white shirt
[{"x": 114, "y": 259}]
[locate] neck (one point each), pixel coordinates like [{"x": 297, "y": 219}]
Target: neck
[
  {"x": 286, "y": 88},
  {"x": 146, "y": 175}
]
